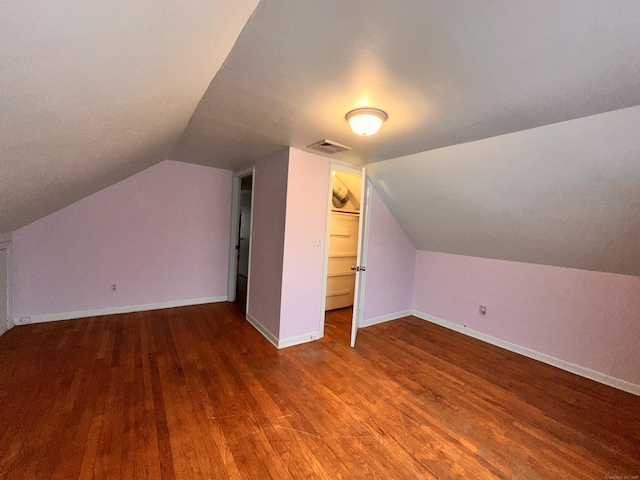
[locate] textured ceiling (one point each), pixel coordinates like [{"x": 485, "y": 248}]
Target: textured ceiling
[
  {"x": 446, "y": 72},
  {"x": 93, "y": 92},
  {"x": 566, "y": 194}
]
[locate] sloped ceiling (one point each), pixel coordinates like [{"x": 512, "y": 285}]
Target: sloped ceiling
[
  {"x": 447, "y": 72},
  {"x": 566, "y": 194},
  {"x": 450, "y": 73},
  {"x": 93, "y": 92}
]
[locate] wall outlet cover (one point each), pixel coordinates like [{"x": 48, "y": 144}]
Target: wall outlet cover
[{"x": 25, "y": 320}]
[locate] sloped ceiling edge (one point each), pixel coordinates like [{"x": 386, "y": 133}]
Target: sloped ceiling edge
[{"x": 566, "y": 194}]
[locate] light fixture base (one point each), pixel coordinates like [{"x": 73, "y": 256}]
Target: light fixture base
[{"x": 366, "y": 121}]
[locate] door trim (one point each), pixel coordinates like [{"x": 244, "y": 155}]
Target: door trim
[
  {"x": 7, "y": 246},
  {"x": 233, "y": 240},
  {"x": 363, "y": 252},
  {"x": 349, "y": 169}
]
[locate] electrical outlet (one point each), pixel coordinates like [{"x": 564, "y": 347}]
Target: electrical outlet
[
  {"x": 114, "y": 287},
  {"x": 483, "y": 310},
  {"x": 24, "y": 320}
]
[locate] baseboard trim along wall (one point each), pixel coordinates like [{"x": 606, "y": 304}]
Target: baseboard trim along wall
[
  {"x": 54, "y": 317},
  {"x": 290, "y": 342},
  {"x": 385, "y": 318},
  {"x": 263, "y": 330},
  {"x": 542, "y": 357},
  {"x": 286, "y": 342}
]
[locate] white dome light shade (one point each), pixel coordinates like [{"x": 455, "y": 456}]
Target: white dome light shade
[{"x": 366, "y": 121}]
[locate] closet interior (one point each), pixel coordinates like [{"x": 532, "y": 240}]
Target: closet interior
[{"x": 343, "y": 239}]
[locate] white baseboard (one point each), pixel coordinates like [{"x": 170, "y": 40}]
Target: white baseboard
[
  {"x": 54, "y": 317},
  {"x": 291, "y": 341},
  {"x": 263, "y": 330},
  {"x": 286, "y": 342},
  {"x": 385, "y": 318},
  {"x": 542, "y": 357}
]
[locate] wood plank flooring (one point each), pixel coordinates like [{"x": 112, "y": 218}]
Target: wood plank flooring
[{"x": 198, "y": 393}]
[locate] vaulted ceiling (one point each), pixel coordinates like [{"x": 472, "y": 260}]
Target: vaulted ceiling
[
  {"x": 92, "y": 93},
  {"x": 566, "y": 194},
  {"x": 445, "y": 72}
]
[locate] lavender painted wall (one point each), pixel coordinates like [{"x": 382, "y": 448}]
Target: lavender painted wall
[
  {"x": 267, "y": 244},
  {"x": 586, "y": 318},
  {"x": 306, "y": 223},
  {"x": 161, "y": 236},
  {"x": 390, "y": 264}
]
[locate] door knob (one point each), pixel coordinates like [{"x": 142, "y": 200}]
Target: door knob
[{"x": 353, "y": 268}]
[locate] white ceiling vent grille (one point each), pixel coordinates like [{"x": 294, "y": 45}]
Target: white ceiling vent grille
[{"x": 328, "y": 146}]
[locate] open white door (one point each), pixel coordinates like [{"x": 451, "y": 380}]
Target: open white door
[{"x": 363, "y": 241}]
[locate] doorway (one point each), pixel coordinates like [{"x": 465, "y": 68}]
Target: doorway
[
  {"x": 242, "y": 247},
  {"x": 4, "y": 288},
  {"x": 240, "y": 244},
  {"x": 345, "y": 270}
]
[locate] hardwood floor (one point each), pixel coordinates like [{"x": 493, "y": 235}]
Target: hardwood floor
[
  {"x": 241, "y": 292},
  {"x": 196, "y": 392}
]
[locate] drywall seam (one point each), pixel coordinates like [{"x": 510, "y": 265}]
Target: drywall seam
[
  {"x": 385, "y": 318},
  {"x": 54, "y": 317},
  {"x": 542, "y": 357}
]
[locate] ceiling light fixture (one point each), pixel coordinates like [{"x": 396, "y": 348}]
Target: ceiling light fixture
[{"x": 366, "y": 121}]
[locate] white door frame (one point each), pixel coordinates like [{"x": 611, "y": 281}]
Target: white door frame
[
  {"x": 6, "y": 246},
  {"x": 233, "y": 241},
  {"x": 362, "y": 233},
  {"x": 361, "y": 261}
]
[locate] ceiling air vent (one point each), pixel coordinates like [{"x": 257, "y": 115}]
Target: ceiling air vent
[{"x": 328, "y": 146}]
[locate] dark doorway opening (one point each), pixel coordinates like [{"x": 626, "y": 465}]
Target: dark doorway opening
[{"x": 242, "y": 247}]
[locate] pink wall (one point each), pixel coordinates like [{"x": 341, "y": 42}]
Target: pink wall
[
  {"x": 390, "y": 264},
  {"x": 586, "y": 318},
  {"x": 306, "y": 222},
  {"x": 267, "y": 244},
  {"x": 161, "y": 236}
]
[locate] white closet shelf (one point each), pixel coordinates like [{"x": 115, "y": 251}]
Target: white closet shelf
[
  {"x": 336, "y": 294},
  {"x": 340, "y": 274},
  {"x": 344, "y": 210}
]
